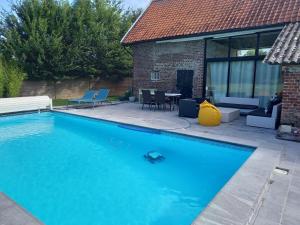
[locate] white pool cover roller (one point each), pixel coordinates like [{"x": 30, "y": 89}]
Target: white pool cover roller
[{"x": 19, "y": 104}]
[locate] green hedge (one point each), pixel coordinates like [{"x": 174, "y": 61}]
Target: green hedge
[{"x": 2, "y": 80}]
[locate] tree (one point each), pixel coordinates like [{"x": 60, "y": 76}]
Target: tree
[
  {"x": 2, "y": 78},
  {"x": 34, "y": 36},
  {"x": 54, "y": 40}
]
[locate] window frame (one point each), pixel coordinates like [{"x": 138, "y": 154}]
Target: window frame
[
  {"x": 155, "y": 75},
  {"x": 230, "y": 59}
]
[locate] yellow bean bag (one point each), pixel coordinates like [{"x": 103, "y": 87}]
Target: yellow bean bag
[{"x": 209, "y": 115}]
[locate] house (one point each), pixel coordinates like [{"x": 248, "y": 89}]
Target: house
[
  {"x": 210, "y": 48},
  {"x": 286, "y": 52}
]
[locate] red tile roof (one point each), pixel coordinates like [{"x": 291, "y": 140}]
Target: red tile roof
[{"x": 165, "y": 19}]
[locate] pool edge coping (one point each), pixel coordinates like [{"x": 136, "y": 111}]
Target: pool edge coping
[
  {"x": 26, "y": 216},
  {"x": 239, "y": 144}
]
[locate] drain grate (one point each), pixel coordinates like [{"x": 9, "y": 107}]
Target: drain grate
[{"x": 281, "y": 171}]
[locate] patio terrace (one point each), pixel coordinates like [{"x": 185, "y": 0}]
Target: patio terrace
[{"x": 256, "y": 194}]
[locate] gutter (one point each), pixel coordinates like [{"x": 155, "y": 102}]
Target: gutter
[
  {"x": 212, "y": 34},
  {"x": 132, "y": 26}
]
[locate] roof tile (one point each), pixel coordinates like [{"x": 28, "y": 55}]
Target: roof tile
[
  {"x": 286, "y": 49},
  {"x": 174, "y": 18}
]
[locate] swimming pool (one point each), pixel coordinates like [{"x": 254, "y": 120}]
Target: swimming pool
[{"x": 70, "y": 170}]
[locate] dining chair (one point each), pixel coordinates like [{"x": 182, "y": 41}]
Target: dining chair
[
  {"x": 160, "y": 100},
  {"x": 147, "y": 98}
]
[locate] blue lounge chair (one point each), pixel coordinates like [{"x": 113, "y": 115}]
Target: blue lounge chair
[
  {"x": 101, "y": 96},
  {"x": 88, "y": 95}
]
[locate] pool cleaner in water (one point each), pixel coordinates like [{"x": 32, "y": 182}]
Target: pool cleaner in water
[{"x": 154, "y": 157}]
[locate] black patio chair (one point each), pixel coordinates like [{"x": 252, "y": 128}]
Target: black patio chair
[
  {"x": 160, "y": 100},
  {"x": 147, "y": 98}
]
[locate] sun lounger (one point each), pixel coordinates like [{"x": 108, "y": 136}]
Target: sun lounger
[
  {"x": 101, "y": 96},
  {"x": 88, "y": 95}
]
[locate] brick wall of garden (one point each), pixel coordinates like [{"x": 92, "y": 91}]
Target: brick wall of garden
[
  {"x": 167, "y": 58},
  {"x": 291, "y": 96},
  {"x": 73, "y": 88}
]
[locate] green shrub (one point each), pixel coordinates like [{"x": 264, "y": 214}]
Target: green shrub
[
  {"x": 14, "y": 79},
  {"x": 11, "y": 78},
  {"x": 2, "y": 80}
]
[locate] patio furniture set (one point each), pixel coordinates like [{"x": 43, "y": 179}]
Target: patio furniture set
[
  {"x": 159, "y": 99},
  {"x": 232, "y": 107}
]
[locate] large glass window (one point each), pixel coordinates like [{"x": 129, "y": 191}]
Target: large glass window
[
  {"x": 217, "y": 48},
  {"x": 241, "y": 79},
  {"x": 266, "y": 41},
  {"x": 243, "y": 46},
  {"x": 235, "y": 67},
  {"x": 216, "y": 83},
  {"x": 268, "y": 82}
]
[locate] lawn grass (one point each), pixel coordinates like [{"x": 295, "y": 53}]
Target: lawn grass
[
  {"x": 59, "y": 102},
  {"x": 63, "y": 102}
]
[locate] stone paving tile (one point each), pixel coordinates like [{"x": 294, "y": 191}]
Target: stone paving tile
[
  {"x": 295, "y": 182},
  {"x": 3, "y": 201},
  {"x": 214, "y": 220},
  {"x": 271, "y": 213},
  {"x": 227, "y": 207},
  {"x": 288, "y": 220},
  {"x": 261, "y": 221},
  {"x": 12, "y": 214},
  {"x": 293, "y": 198},
  {"x": 278, "y": 192}
]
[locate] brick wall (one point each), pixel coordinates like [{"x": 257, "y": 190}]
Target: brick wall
[
  {"x": 167, "y": 58},
  {"x": 291, "y": 95},
  {"x": 73, "y": 88}
]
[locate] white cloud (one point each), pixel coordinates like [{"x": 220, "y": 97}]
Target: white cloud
[{"x": 136, "y": 3}]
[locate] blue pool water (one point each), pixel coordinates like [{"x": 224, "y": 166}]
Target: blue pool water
[{"x": 69, "y": 170}]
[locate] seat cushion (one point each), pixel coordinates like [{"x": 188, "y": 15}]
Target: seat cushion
[
  {"x": 271, "y": 104},
  {"x": 200, "y": 100},
  {"x": 260, "y": 113},
  {"x": 237, "y": 106}
]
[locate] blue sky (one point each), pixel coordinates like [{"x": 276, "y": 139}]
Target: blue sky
[{"x": 127, "y": 3}]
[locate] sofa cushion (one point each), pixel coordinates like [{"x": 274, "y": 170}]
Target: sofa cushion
[
  {"x": 271, "y": 103},
  {"x": 260, "y": 113},
  {"x": 238, "y": 106},
  {"x": 200, "y": 100}
]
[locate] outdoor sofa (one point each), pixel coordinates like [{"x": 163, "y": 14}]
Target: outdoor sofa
[
  {"x": 245, "y": 105},
  {"x": 265, "y": 119}
]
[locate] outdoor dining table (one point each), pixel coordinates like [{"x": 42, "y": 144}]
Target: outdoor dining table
[{"x": 174, "y": 97}]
